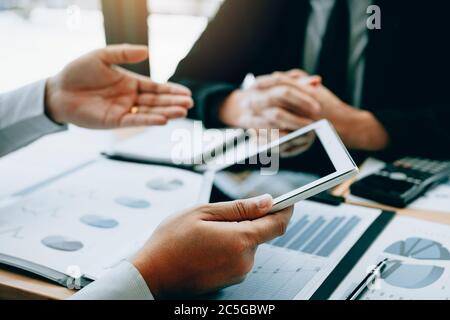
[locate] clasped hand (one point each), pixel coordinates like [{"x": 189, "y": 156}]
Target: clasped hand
[{"x": 284, "y": 101}]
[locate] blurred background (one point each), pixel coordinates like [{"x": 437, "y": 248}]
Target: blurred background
[{"x": 40, "y": 36}]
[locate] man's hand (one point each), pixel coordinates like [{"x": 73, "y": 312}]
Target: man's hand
[
  {"x": 358, "y": 129},
  {"x": 208, "y": 248},
  {"x": 93, "y": 92},
  {"x": 279, "y": 101}
]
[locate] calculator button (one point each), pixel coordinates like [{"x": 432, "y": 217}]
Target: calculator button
[
  {"x": 441, "y": 168},
  {"x": 402, "y": 164},
  {"x": 423, "y": 165},
  {"x": 388, "y": 184},
  {"x": 414, "y": 181},
  {"x": 391, "y": 168},
  {"x": 399, "y": 176},
  {"x": 436, "y": 170},
  {"x": 420, "y": 175}
]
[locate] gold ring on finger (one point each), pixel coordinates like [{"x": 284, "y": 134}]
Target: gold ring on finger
[{"x": 134, "y": 110}]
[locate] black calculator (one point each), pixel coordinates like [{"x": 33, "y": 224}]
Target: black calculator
[{"x": 400, "y": 183}]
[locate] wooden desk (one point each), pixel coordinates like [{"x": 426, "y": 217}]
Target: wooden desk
[{"x": 15, "y": 284}]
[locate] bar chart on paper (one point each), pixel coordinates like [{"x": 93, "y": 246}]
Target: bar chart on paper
[
  {"x": 317, "y": 235},
  {"x": 312, "y": 245}
]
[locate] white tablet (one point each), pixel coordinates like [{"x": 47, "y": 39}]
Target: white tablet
[{"x": 277, "y": 168}]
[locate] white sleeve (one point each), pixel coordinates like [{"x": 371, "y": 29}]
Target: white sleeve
[
  {"x": 124, "y": 282},
  {"x": 23, "y": 118}
]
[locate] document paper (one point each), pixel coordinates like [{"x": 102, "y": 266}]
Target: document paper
[
  {"x": 418, "y": 267},
  {"x": 96, "y": 216}
]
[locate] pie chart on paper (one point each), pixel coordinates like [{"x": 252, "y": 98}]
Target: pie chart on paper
[
  {"x": 99, "y": 221},
  {"x": 164, "y": 184},
  {"x": 133, "y": 203},
  {"x": 408, "y": 275},
  {"x": 62, "y": 243}
]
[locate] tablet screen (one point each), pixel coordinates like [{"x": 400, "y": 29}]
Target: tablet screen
[{"x": 292, "y": 165}]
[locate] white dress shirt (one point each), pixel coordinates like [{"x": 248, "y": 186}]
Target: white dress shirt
[
  {"x": 22, "y": 117},
  {"x": 124, "y": 282},
  {"x": 359, "y": 38},
  {"x": 23, "y": 120}
]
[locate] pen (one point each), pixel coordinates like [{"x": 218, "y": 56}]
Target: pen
[
  {"x": 369, "y": 279},
  {"x": 250, "y": 80}
]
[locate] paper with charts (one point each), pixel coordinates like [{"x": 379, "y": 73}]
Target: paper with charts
[
  {"x": 295, "y": 265},
  {"x": 437, "y": 199},
  {"x": 95, "y": 216},
  {"x": 419, "y": 266}
]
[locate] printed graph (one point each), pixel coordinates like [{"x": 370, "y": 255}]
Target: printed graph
[
  {"x": 317, "y": 235},
  {"x": 278, "y": 274},
  {"x": 286, "y": 265},
  {"x": 415, "y": 276}
]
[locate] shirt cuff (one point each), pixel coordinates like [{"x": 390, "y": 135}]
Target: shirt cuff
[
  {"x": 212, "y": 99},
  {"x": 24, "y": 119},
  {"x": 124, "y": 282}
]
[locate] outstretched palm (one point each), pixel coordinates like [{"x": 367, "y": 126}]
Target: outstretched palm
[{"x": 92, "y": 92}]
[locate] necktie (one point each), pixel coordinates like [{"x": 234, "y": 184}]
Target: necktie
[{"x": 334, "y": 56}]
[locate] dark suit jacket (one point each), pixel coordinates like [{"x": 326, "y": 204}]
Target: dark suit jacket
[{"x": 406, "y": 82}]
